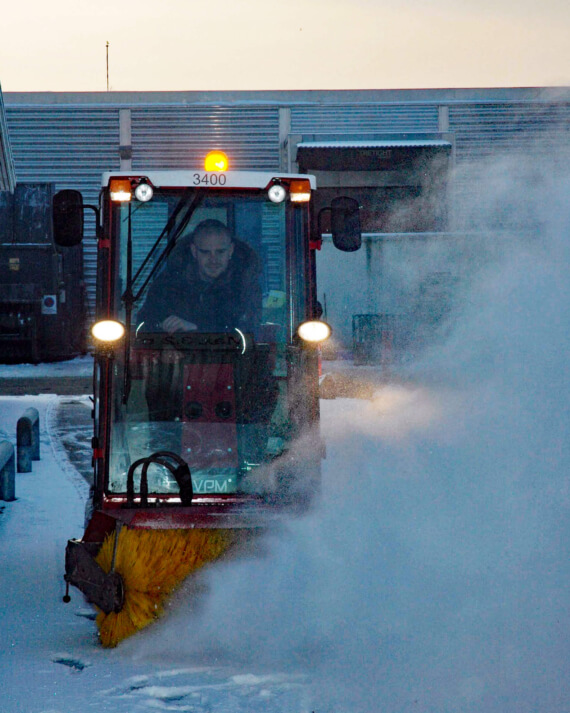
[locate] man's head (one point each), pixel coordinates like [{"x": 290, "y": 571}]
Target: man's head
[{"x": 212, "y": 248}]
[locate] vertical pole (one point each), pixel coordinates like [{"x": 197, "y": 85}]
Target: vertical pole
[
  {"x": 443, "y": 118},
  {"x": 284, "y": 131},
  {"x": 125, "y": 139},
  {"x": 386, "y": 345},
  {"x": 107, "y": 47}
]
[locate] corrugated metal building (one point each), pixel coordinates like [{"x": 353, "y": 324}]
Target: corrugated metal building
[
  {"x": 7, "y": 174},
  {"x": 71, "y": 138}
]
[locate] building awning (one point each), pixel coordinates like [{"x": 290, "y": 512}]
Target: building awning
[
  {"x": 390, "y": 153},
  {"x": 388, "y": 143}
]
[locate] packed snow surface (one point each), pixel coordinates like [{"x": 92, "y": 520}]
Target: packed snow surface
[{"x": 433, "y": 576}]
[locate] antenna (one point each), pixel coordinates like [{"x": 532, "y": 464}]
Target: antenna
[{"x": 107, "y": 65}]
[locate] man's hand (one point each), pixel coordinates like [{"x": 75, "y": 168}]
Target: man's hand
[{"x": 177, "y": 324}]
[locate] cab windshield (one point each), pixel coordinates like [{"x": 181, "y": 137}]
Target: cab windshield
[{"x": 210, "y": 285}]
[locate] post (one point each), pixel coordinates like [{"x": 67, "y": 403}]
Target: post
[
  {"x": 125, "y": 140},
  {"x": 387, "y": 343},
  {"x": 27, "y": 440},
  {"x": 7, "y": 472},
  {"x": 34, "y": 416},
  {"x": 284, "y": 131}
]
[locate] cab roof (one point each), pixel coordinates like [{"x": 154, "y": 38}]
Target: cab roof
[{"x": 184, "y": 179}]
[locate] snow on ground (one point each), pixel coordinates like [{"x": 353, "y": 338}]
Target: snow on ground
[
  {"x": 80, "y": 366},
  {"x": 432, "y": 578}
]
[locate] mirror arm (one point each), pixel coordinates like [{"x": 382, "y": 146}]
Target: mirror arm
[
  {"x": 98, "y": 226},
  {"x": 319, "y": 220}
]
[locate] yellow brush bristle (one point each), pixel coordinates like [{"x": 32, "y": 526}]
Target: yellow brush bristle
[{"x": 152, "y": 564}]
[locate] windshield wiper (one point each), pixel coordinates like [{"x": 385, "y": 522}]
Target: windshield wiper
[
  {"x": 171, "y": 240},
  {"x": 129, "y": 298}
]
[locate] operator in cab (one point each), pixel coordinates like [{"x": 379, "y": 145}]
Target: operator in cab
[{"x": 211, "y": 283}]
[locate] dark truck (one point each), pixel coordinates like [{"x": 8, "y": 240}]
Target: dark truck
[{"x": 42, "y": 290}]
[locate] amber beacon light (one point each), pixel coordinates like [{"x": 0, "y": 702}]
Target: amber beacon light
[
  {"x": 216, "y": 161},
  {"x": 120, "y": 190},
  {"x": 300, "y": 191}
]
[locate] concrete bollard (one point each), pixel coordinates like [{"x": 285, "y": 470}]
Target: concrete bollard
[
  {"x": 27, "y": 440},
  {"x": 7, "y": 472}
]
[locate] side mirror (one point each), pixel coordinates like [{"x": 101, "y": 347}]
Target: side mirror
[
  {"x": 67, "y": 209},
  {"x": 345, "y": 224}
]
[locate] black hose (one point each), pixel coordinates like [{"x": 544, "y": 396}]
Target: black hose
[{"x": 180, "y": 472}]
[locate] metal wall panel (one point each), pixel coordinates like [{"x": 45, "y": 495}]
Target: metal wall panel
[
  {"x": 70, "y": 146},
  {"x": 180, "y": 136},
  {"x": 7, "y": 173},
  {"x": 513, "y": 137},
  {"x": 485, "y": 129},
  {"x": 363, "y": 118}
]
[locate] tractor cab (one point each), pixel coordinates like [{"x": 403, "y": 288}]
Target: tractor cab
[
  {"x": 211, "y": 284},
  {"x": 206, "y": 344}
]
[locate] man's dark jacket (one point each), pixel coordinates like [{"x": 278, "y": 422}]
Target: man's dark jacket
[{"x": 231, "y": 300}]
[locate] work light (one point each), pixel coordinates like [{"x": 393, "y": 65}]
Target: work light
[
  {"x": 276, "y": 193},
  {"x": 108, "y": 331},
  {"x": 143, "y": 192},
  {"x": 314, "y": 331}
]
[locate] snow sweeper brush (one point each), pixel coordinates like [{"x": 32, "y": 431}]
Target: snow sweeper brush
[{"x": 151, "y": 565}]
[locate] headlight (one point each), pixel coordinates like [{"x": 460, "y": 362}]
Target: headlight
[
  {"x": 108, "y": 331},
  {"x": 314, "y": 331}
]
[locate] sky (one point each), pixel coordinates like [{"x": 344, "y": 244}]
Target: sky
[{"x": 302, "y": 44}]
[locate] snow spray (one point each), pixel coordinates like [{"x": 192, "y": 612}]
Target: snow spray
[{"x": 434, "y": 574}]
